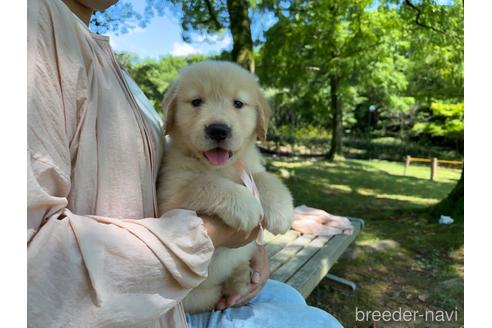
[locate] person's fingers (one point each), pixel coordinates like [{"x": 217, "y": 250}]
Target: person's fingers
[
  {"x": 259, "y": 276},
  {"x": 227, "y": 301},
  {"x": 248, "y": 296},
  {"x": 221, "y": 304},
  {"x": 257, "y": 265},
  {"x": 232, "y": 300},
  {"x": 255, "y": 277},
  {"x": 244, "y": 299}
]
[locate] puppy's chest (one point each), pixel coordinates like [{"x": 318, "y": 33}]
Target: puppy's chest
[{"x": 229, "y": 174}]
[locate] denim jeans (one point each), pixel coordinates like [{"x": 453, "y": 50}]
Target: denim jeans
[{"x": 276, "y": 305}]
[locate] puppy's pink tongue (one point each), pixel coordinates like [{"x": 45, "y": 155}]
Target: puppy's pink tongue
[{"x": 217, "y": 156}]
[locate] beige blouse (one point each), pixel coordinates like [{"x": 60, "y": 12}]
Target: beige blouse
[{"x": 97, "y": 256}]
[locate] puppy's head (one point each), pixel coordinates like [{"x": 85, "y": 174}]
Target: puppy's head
[{"x": 214, "y": 110}]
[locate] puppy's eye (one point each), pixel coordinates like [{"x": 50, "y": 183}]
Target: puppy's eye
[
  {"x": 238, "y": 104},
  {"x": 196, "y": 102}
]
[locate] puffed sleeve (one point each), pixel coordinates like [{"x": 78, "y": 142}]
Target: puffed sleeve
[{"x": 90, "y": 271}]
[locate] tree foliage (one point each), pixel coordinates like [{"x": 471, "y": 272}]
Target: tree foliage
[
  {"x": 445, "y": 120},
  {"x": 154, "y": 76},
  {"x": 343, "y": 49},
  {"x": 380, "y": 68},
  {"x": 219, "y": 16},
  {"x": 359, "y": 55},
  {"x": 366, "y": 67},
  {"x": 436, "y": 51},
  {"x": 119, "y": 19}
]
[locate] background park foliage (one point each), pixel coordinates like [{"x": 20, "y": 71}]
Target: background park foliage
[
  {"x": 350, "y": 68},
  {"x": 360, "y": 80}
]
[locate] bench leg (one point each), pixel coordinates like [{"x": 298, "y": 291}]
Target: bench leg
[{"x": 342, "y": 281}]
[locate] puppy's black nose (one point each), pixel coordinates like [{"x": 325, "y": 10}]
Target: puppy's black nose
[{"x": 218, "y": 131}]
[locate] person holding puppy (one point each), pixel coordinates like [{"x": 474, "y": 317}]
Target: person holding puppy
[{"x": 98, "y": 255}]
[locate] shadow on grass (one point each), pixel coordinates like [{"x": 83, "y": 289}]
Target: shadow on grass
[
  {"x": 394, "y": 207},
  {"x": 361, "y": 177},
  {"x": 353, "y": 189}
]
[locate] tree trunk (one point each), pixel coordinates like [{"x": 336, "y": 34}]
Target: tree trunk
[
  {"x": 453, "y": 204},
  {"x": 336, "y": 105},
  {"x": 240, "y": 26}
]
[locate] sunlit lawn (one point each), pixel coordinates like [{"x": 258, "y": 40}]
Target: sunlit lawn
[{"x": 395, "y": 207}]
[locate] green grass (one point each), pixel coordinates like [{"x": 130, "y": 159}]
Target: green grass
[{"x": 394, "y": 207}]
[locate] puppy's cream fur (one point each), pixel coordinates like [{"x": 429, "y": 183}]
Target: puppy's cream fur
[{"x": 188, "y": 180}]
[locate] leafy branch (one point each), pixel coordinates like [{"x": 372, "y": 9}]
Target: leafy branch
[{"x": 417, "y": 18}]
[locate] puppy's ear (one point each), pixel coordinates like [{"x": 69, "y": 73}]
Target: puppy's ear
[
  {"x": 264, "y": 112},
  {"x": 169, "y": 106}
]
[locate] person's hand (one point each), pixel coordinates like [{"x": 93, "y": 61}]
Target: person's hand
[
  {"x": 259, "y": 276},
  {"x": 223, "y": 235}
]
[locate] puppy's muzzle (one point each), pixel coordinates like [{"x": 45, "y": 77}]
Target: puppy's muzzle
[{"x": 218, "y": 131}]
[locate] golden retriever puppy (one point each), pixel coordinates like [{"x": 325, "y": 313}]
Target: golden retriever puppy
[{"x": 215, "y": 111}]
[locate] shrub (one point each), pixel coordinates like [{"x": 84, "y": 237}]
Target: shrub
[{"x": 311, "y": 141}]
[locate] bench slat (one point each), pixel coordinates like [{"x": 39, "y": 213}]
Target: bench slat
[
  {"x": 289, "y": 268},
  {"x": 289, "y": 252},
  {"x": 309, "y": 275},
  {"x": 277, "y": 243}
]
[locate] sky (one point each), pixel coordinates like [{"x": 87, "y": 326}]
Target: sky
[{"x": 162, "y": 36}]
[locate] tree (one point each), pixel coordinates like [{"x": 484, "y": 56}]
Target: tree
[
  {"x": 119, "y": 19},
  {"x": 436, "y": 51},
  {"x": 330, "y": 45},
  {"x": 206, "y": 16},
  {"x": 154, "y": 76},
  {"x": 437, "y": 39},
  {"x": 211, "y": 16},
  {"x": 453, "y": 204},
  {"x": 445, "y": 121}
]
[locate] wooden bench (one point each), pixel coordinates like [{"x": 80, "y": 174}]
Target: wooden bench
[{"x": 302, "y": 260}]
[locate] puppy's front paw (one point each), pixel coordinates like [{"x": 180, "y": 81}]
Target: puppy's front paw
[
  {"x": 279, "y": 218},
  {"x": 279, "y": 211},
  {"x": 277, "y": 202},
  {"x": 243, "y": 212}
]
